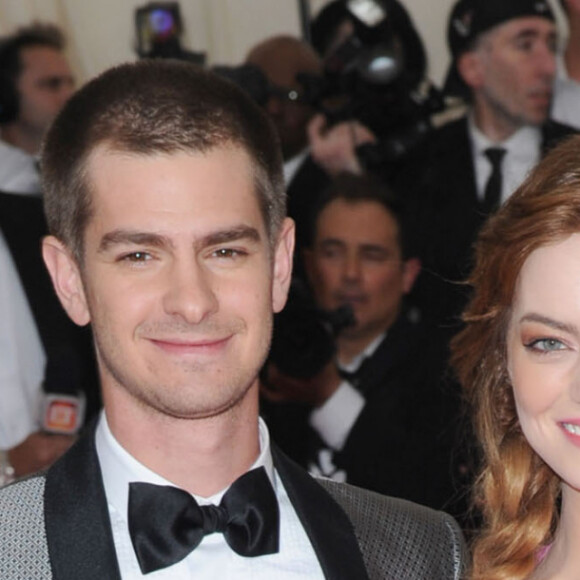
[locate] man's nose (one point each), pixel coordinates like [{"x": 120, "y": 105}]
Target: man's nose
[
  {"x": 546, "y": 62},
  {"x": 351, "y": 267},
  {"x": 189, "y": 292},
  {"x": 64, "y": 92},
  {"x": 67, "y": 92}
]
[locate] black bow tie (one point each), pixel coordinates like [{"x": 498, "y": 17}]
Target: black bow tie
[{"x": 166, "y": 523}]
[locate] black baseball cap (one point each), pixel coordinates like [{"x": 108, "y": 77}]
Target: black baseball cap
[{"x": 470, "y": 18}]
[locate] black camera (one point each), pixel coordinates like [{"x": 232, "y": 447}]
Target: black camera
[
  {"x": 159, "y": 28},
  {"x": 376, "y": 75},
  {"x": 303, "y": 342}
]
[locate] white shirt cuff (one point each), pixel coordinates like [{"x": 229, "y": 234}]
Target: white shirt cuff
[{"x": 335, "y": 419}]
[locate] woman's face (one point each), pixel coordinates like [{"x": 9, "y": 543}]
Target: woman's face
[{"x": 543, "y": 347}]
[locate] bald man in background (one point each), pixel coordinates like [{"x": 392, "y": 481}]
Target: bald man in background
[{"x": 287, "y": 63}]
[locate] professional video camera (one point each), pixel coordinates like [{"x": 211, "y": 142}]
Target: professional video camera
[
  {"x": 303, "y": 342},
  {"x": 159, "y": 28},
  {"x": 376, "y": 76}
]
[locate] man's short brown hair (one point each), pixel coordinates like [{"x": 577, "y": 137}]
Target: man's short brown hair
[{"x": 147, "y": 108}]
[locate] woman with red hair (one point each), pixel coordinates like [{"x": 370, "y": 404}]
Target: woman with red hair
[{"x": 518, "y": 358}]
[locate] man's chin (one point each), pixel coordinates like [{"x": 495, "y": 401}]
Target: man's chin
[{"x": 353, "y": 332}]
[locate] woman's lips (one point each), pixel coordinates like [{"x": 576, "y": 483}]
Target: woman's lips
[{"x": 571, "y": 428}]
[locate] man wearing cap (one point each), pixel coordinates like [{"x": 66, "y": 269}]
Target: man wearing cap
[{"x": 504, "y": 64}]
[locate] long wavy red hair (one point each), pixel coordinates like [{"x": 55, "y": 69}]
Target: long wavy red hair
[{"x": 516, "y": 492}]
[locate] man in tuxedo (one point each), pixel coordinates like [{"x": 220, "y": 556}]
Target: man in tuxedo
[
  {"x": 372, "y": 416},
  {"x": 35, "y": 81},
  {"x": 504, "y": 64},
  {"x": 165, "y": 200}
]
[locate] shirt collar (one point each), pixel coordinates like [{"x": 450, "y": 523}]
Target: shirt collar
[
  {"x": 355, "y": 363},
  {"x": 119, "y": 467},
  {"x": 523, "y": 144},
  {"x": 292, "y": 165}
]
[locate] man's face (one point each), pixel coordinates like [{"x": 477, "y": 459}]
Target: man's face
[
  {"x": 44, "y": 85},
  {"x": 512, "y": 71},
  {"x": 178, "y": 279},
  {"x": 356, "y": 259}
]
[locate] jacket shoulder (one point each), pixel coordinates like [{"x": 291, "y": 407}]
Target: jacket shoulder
[
  {"x": 23, "y": 546},
  {"x": 446, "y": 137},
  {"x": 553, "y": 133},
  {"x": 400, "y": 539},
  {"x": 445, "y": 151}
]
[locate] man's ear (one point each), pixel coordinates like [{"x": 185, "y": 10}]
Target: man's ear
[
  {"x": 471, "y": 70},
  {"x": 66, "y": 279},
  {"x": 283, "y": 256},
  {"x": 411, "y": 269}
]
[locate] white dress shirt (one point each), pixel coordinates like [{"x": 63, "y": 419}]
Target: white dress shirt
[
  {"x": 213, "y": 558},
  {"x": 334, "y": 420},
  {"x": 523, "y": 151},
  {"x": 18, "y": 173},
  {"x": 22, "y": 358},
  {"x": 566, "y": 99},
  {"x": 292, "y": 166}
]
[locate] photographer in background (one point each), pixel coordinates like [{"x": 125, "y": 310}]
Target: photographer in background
[
  {"x": 377, "y": 414},
  {"x": 371, "y": 96},
  {"x": 35, "y": 82},
  {"x": 289, "y": 65},
  {"x": 41, "y": 352},
  {"x": 283, "y": 59}
]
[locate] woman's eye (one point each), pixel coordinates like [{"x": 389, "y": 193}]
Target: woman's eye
[{"x": 546, "y": 344}]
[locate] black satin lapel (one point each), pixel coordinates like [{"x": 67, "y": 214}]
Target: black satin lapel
[
  {"x": 328, "y": 527},
  {"x": 80, "y": 540}
]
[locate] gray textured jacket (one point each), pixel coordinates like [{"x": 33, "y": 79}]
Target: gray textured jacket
[{"x": 56, "y": 526}]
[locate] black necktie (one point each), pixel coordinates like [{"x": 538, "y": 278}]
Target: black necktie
[
  {"x": 166, "y": 523},
  {"x": 350, "y": 376},
  {"x": 492, "y": 195}
]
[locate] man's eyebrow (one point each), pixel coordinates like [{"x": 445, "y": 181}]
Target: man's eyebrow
[
  {"x": 331, "y": 242},
  {"x": 129, "y": 237},
  {"x": 234, "y": 234},
  {"x": 528, "y": 32},
  {"x": 551, "y": 322},
  {"x": 375, "y": 248},
  {"x": 365, "y": 247},
  {"x": 136, "y": 238},
  {"x": 532, "y": 33}
]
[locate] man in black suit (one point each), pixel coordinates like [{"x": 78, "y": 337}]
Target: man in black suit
[
  {"x": 285, "y": 60},
  {"x": 35, "y": 81},
  {"x": 377, "y": 415},
  {"x": 165, "y": 200},
  {"x": 504, "y": 63}
]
